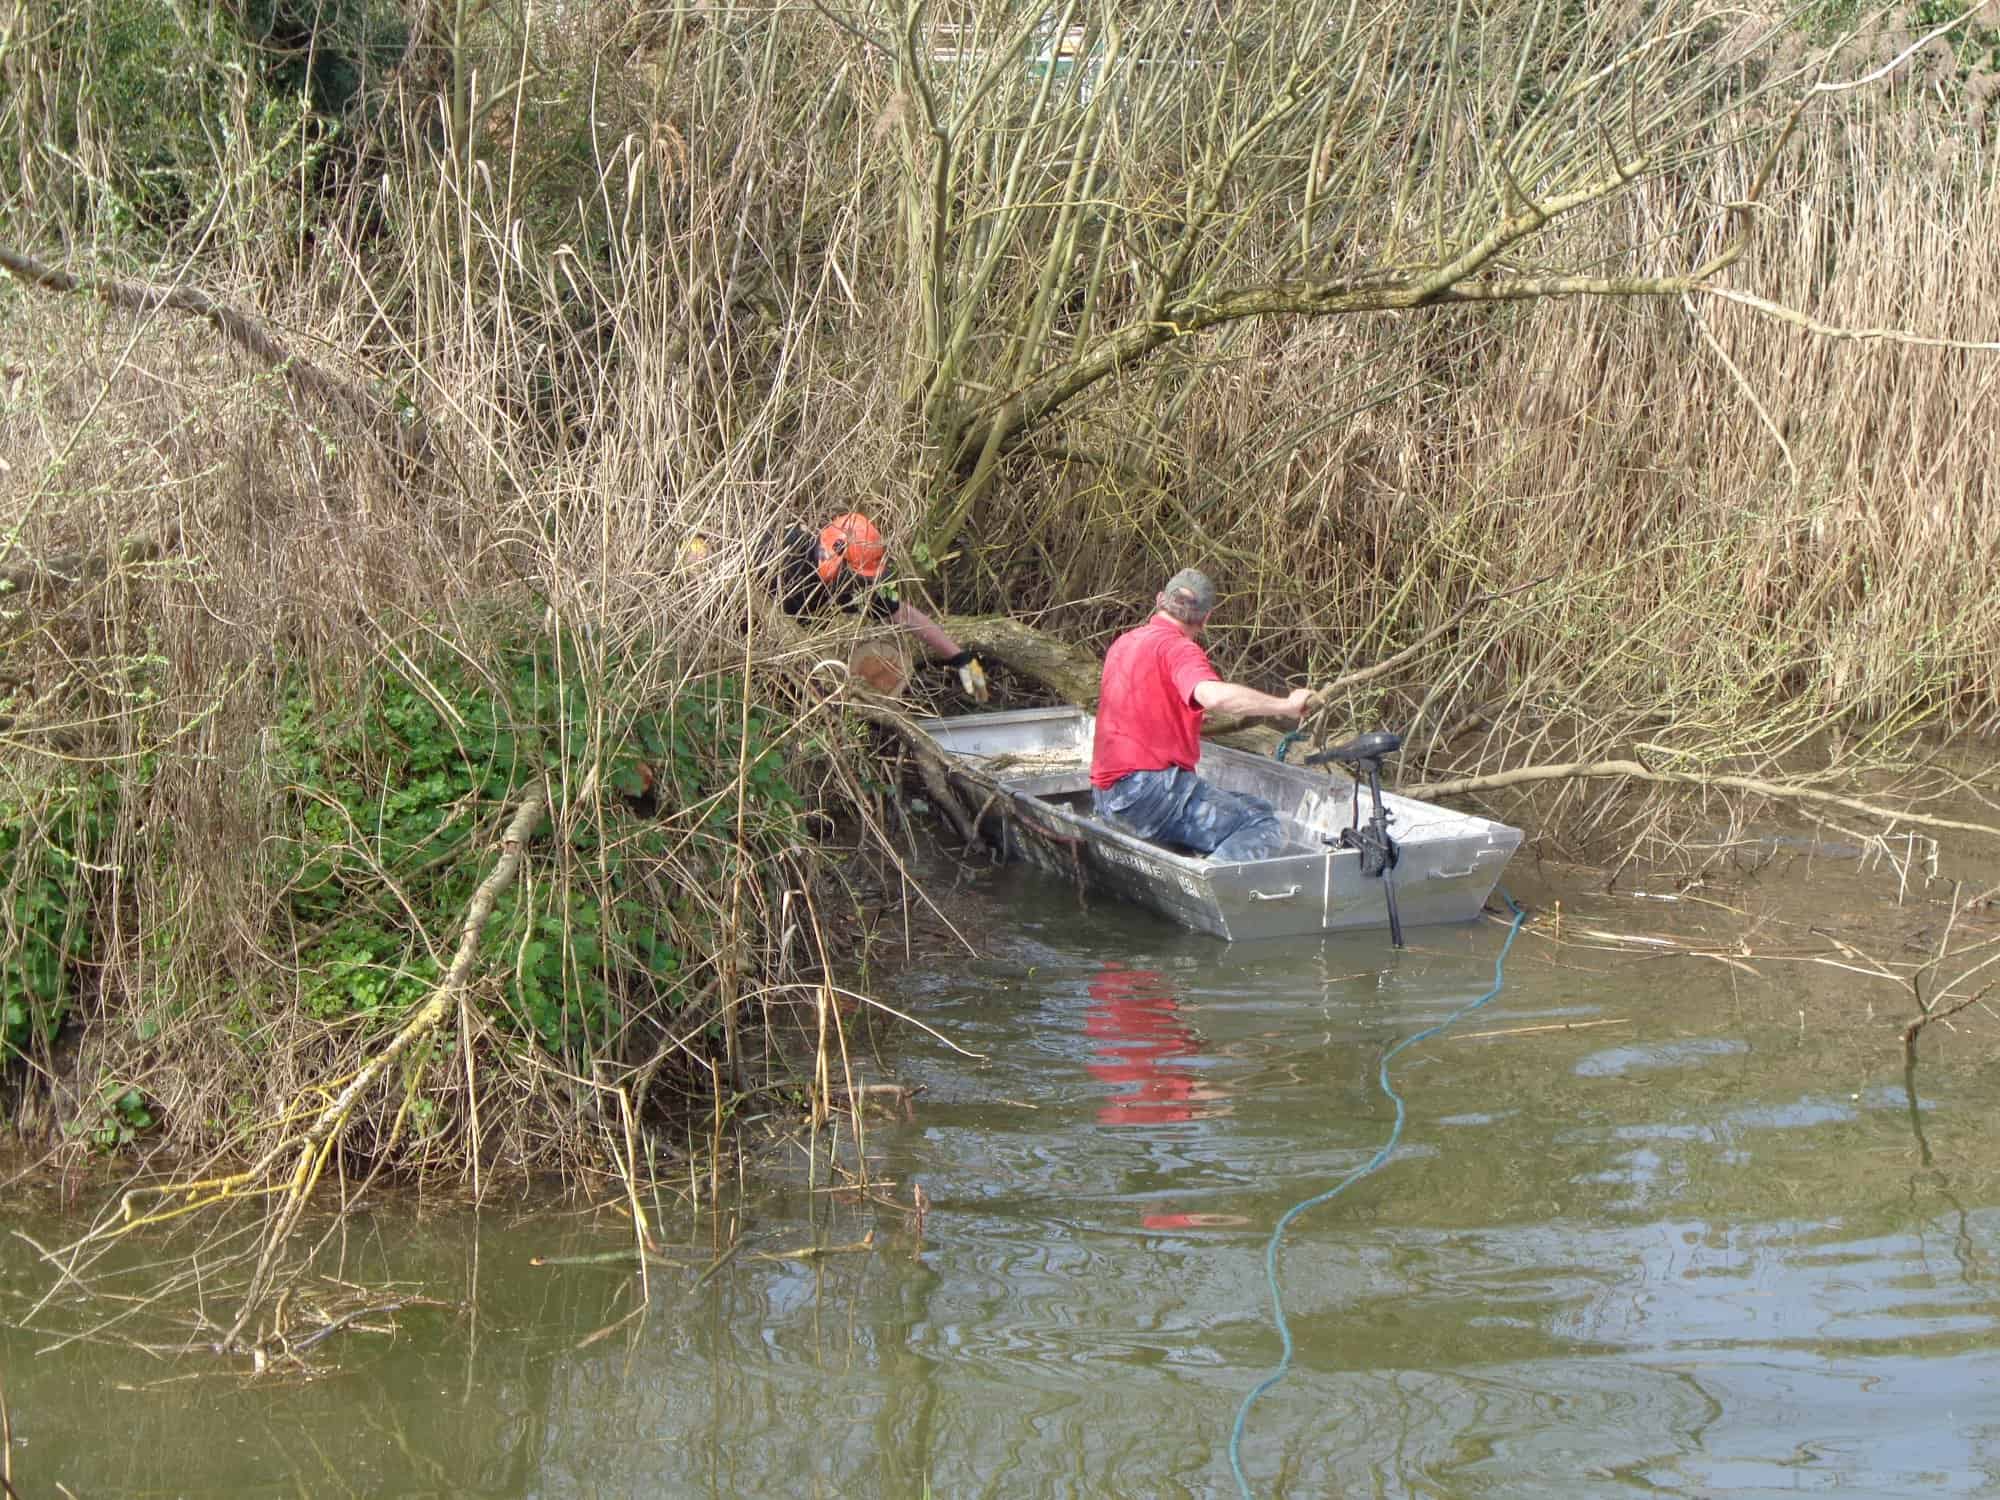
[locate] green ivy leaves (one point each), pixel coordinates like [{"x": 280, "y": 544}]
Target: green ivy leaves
[
  {"x": 45, "y": 934},
  {"x": 123, "y": 1114},
  {"x": 398, "y": 787}
]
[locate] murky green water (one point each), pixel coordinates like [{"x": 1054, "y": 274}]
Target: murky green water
[{"x": 1700, "y": 1251}]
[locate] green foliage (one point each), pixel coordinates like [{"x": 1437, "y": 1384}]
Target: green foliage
[
  {"x": 1827, "y": 19},
  {"x": 46, "y": 842},
  {"x": 160, "y": 116},
  {"x": 400, "y": 787},
  {"x": 123, "y": 1114},
  {"x": 138, "y": 123},
  {"x": 1976, "y": 45},
  {"x": 328, "y": 51}
]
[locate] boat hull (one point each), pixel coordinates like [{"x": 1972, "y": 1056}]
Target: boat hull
[{"x": 1026, "y": 775}]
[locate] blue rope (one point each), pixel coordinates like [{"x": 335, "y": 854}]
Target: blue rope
[{"x": 1388, "y": 1147}]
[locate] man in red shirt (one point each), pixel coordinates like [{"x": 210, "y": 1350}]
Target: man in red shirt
[{"x": 1157, "y": 685}]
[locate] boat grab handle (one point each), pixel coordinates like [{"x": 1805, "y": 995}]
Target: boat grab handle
[
  {"x": 1285, "y": 895},
  {"x": 1454, "y": 874}
]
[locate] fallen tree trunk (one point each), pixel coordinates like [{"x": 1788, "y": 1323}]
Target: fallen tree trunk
[
  {"x": 72, "y": 570},
  {"x": 400, "y": 427},
  {"x": 1070, "y": 672}
]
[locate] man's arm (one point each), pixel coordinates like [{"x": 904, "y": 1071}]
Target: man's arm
[
  {"x": 970, "y": 671},
  {"x": 925, "y": 629},
  {"x": 1234, "y": 698}
]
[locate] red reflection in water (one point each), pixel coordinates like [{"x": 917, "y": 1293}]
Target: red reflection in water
[
  {"x": 1135, "y": 1020},
  {"x": 1193, "y": 1221}
]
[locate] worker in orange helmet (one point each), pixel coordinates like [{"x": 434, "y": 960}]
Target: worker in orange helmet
[{"x": 844, "y": 564}]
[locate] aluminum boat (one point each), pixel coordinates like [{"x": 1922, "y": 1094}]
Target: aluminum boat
[{"x": 1025, "y": 775}]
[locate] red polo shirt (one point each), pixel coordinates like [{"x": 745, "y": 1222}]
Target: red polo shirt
[{"x": 1147, "y": 719}]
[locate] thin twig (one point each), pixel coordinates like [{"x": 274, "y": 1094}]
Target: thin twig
[
  {"x": 715, "y": 1267},
  {"x": 1470, "y": 1036},
  {"x": 318, "y": 1335},
  {"x": 6, "y": 1444}
]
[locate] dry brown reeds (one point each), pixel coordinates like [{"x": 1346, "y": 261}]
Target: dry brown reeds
[{"x": 602, "y": 337}]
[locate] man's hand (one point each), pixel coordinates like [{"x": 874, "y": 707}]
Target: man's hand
[
  {"x": 1297, "y": 702},
  {"x": 971, "y": 673}
]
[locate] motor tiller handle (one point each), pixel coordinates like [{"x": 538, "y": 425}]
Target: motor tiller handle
[{"x": 1363, "y": 754}]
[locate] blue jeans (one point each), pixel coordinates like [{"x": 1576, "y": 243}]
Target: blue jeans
[{"x": 1174, "y": 806}]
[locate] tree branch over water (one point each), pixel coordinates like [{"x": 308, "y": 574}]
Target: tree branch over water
[
  {"x": 308, "y": 1150},
  {"x": 1633, "y": 770}
]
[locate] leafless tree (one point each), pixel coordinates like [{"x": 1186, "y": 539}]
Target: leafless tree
[{"x": 1086, "y": 183}]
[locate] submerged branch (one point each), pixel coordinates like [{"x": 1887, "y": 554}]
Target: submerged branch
[
  {"x": 1912, "y": 1031},
  {"x": 310, "y": 1149},
  {"x": 7, "y": 1447},
  {"x": 1632, "y": 770}
]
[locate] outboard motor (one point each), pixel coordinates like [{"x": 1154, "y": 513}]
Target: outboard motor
[{"x": 1363, "y": 755}]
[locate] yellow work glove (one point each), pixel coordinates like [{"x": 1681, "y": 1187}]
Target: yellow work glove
[{"x": 971, "y": 673}]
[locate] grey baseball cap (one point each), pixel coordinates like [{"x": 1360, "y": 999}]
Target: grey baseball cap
[{"x": 1189, "y": 595}]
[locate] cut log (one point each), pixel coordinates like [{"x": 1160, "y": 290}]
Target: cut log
[{"x": 1069, "y": 672}]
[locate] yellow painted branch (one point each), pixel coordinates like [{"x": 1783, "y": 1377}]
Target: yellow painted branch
[{"x": 316, "y": 1145}]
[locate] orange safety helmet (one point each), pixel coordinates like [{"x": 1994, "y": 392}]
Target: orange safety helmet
[{"x": 851, "y": 540}]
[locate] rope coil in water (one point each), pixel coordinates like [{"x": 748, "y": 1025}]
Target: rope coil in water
[{"x": 1373, "y": 1162}]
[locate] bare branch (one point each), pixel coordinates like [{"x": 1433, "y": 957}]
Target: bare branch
[
  {"x": 1632, "y": 770},
  {"x": 1830, "y": 331},
  {"x": 400, "y": 426}
]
